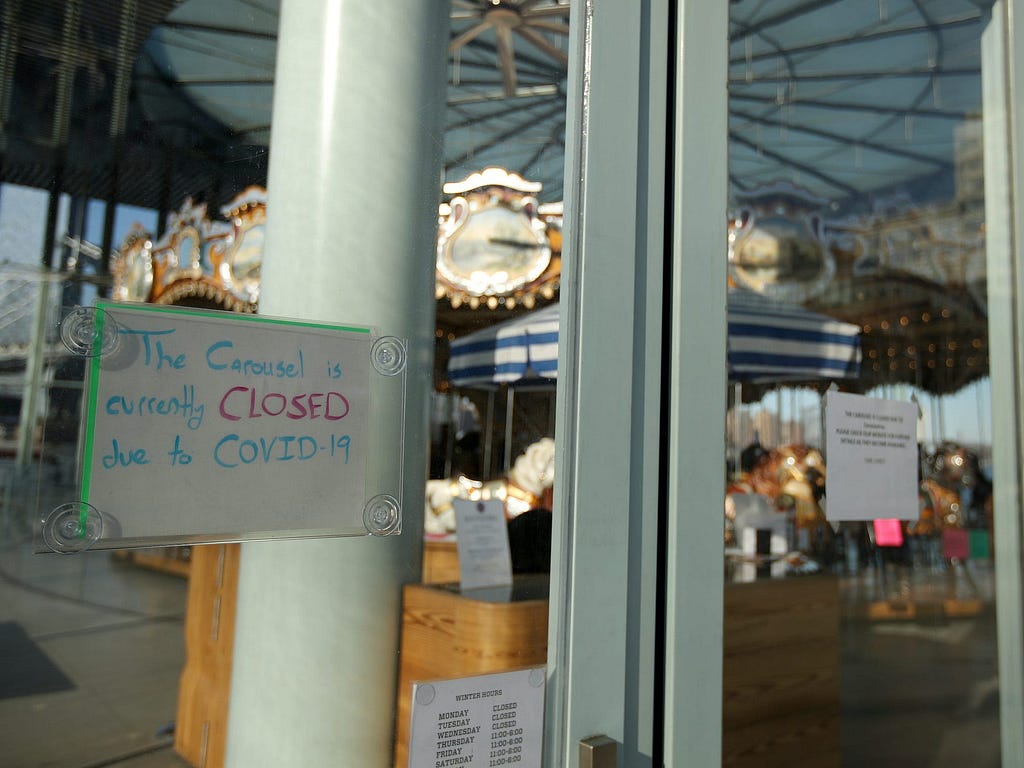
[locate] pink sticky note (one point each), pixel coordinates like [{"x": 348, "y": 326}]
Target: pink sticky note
[{"x": 888, "y": 533}]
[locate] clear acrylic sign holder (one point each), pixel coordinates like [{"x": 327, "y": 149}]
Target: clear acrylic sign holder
[{"x": 202, "y": 426}]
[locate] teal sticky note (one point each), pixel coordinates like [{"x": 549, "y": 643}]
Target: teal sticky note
[{"x": 979, "y": 544}]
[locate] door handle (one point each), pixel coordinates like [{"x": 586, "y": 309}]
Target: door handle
[{"x": 599, "y": 752}]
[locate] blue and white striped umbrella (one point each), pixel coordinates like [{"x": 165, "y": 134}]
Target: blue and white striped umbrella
[
  {"x": 520, "y": 349},
  {"x": 768, "y": 342}
]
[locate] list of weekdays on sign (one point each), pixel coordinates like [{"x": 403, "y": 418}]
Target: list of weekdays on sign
[
  {"x": 487, "y": 721},
  {"x": 871, "y": 449},
  {"x": 212, "y": 424}
]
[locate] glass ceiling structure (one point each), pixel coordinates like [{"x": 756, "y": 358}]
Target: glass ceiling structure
[
  {"x": 151, "y": 102},
  {"x": 187, "y": 91}
]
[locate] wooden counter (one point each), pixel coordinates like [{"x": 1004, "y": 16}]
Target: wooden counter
[
  {"x": 780, "y": 692},
  {"x": 780, "y": 659}
]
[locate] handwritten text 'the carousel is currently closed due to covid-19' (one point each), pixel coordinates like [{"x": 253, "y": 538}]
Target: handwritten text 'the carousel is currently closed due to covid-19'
[{"x": 298, "y": 422}]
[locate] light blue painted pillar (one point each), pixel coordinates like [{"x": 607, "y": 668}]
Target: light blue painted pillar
[{"x": 354, "y": 182}]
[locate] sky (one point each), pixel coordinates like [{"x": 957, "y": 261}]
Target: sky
[
  {"x": 23, "y": 222},
  {"x": 964, "y": 417}
]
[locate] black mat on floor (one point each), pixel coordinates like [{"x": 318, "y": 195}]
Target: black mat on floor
[{"x": 24, "y": 669}]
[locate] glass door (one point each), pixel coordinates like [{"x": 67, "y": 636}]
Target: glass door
[
  {"x": 867, "y": 185},
  {"x": 665, "y": 169}
]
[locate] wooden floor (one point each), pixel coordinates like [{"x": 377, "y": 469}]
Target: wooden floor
[{"x": 781, "y": 674}]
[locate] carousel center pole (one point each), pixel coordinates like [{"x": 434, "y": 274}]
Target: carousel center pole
[{"x": 353, "y": 190}]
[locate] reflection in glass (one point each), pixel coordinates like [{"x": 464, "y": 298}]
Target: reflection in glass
[{"x": 857, "y": 191}]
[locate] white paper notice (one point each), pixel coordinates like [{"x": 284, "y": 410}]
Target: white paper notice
[
  {"x": 482, "y": 543},
  {"x": 872, "y": 458},
  {"x": 487, "y": 720}
]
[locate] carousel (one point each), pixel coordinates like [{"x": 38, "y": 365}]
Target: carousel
[
  {"x": 856, "y": 303},
  {"x": 812, "y": 303}
]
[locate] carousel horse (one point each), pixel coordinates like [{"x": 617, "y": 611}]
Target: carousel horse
[
  {"x": 954, "y": 492},
  {"x": 528, "y": 485},
  {"x": 788, "y": 478},
  {"x": 793, "y": 477}
]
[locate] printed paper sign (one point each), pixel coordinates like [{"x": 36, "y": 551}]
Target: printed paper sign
[
  {"x": 487, "y": 721},
  {"x": 872, "y": 458},
  {"x": 482, "y": 542}
]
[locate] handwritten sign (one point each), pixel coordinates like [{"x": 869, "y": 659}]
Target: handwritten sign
[
  {"x": 204, "y": 424},
  {"x": 872, "y": 458},
  {"x": 487, "y": 720}
]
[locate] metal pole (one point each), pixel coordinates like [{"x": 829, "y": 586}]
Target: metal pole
[
  {"x": 35, "y": 364},
  {"x": 118, "y": 120},
  {"x": 355, "y": 167},
  {"x": 737, "y": 434},
  {"x": 8, "y": 55},
  {"x": 510, "y": 406}
]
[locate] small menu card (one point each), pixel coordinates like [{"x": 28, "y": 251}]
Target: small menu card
[{"x": 482, "y": 543}]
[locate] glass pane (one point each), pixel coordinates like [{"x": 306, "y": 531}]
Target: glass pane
[
  {"x": 174, "y": 212},
  {"x": 857, "y": 262}
]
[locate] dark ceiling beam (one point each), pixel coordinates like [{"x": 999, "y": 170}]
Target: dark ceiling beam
[
  {"x": 496, "y": 81},
  {"x": 859, "y": 75},
  {"x": 479, "y": 60},
  {"x": 464, "y": 63},
  {"x": 542, "y": 44},
  {"x": 499, "y": 114},
  {"x": 472, "y": 32},
  {"x": 780, "y": 18},
  {"x": 211, "y": 130},
  {"x": 8, "y": 56},
  {"x": 810, "y": 170},
  {"x": 850, "y": 141},
  {"x": 523, "y": 93},
  {"x": 207, "y": 48},
  {"x": 216, "y": 29},
  {"x": 523, "y": 60},
  {"x": 551, "y": 143},
  {"x": 849, "y": 106},
  {"x": 519, "y": 127},
  {"x": 860, "y": 38},
  {"x": 547, "y": 11},
  {"x": 526, "y": 5},
  {"x": 558, "y": 27},
  {"x": 200, "y": 81},
  {"x": 507, "y": 59},
  {"x": 741, "y": 185}
]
